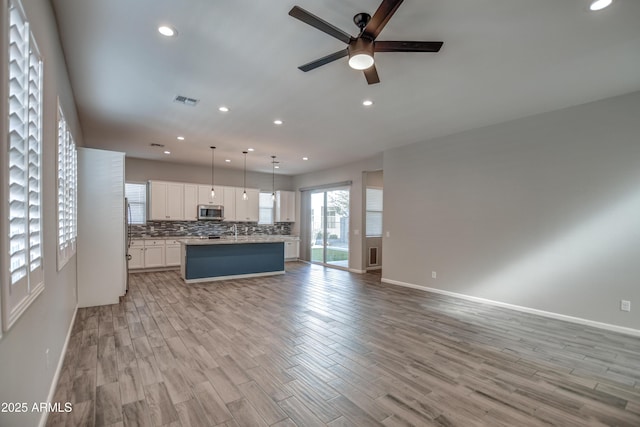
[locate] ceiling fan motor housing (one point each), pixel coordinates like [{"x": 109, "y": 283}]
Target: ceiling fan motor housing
[{"x": 361, "y": 20}]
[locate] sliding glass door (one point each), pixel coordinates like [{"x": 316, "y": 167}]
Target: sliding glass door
[{"x": 330, "y": 227}]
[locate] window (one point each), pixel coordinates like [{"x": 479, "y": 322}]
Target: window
[
  {"x": 374, "y": 212},
  {"x": 67, "y": 192},
  {"x": 265, "y": 204},
  {"x": 331, "y": 218},
  {"x": 25, "y": 276},
  {"x": 136, "y": 195}
]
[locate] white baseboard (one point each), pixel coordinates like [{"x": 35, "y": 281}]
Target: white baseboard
[
  {"x": 56, "y": 376},
  {"x": 578, "y": 320},
  {"x": 354, "y": 270},
  {"x": 379, "y": 267}
]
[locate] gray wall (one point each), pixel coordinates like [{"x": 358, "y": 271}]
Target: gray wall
[
  {"x": 541, "y": 212},
  {"x": 350, "y": 172},
  {"x": 25, "y": 375},
  {"x": 140, "y": 170}
]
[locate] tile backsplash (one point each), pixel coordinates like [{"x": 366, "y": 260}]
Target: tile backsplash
[{"x": 207, "y": 228}]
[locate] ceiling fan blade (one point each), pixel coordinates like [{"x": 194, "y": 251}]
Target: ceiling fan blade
[
  {"x": 406, "y": 46},
  {"x": 320, "y": 24},
  {"x": 324, "y": 60},
  {"x": 379, "y": 19},
  {"x": 372, "y": 75}
]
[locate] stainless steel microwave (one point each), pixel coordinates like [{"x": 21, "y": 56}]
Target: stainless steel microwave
[{"x": 211, "y": 212}]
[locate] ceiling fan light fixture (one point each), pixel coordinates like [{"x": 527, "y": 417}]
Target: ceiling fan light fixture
[
  {"x": 361, "y": 54},
  {"x": 599, "y": 4}
]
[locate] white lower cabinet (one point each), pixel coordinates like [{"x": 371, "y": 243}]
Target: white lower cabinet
[
  {"x": 152, "y": 254},
  {"x": 172, "y": 253},
  {"x": 292, "y": 249},
  {"x": 136, "y": 252}
]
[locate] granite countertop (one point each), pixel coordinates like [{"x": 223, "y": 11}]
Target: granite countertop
[{"x": 226, "y": 240}]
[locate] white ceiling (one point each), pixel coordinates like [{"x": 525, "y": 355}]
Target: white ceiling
[{"x": 501, "y": 59}]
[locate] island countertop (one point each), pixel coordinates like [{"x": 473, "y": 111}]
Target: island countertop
[{"x": 236, "y": 240}]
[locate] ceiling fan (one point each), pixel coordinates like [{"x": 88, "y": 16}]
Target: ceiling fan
[{"x": 360, "y": 49}]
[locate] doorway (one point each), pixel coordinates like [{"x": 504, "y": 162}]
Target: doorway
[{"x": 329, "y": 239}]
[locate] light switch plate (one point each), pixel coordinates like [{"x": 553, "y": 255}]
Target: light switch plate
[{"x": 625, "y": 305}]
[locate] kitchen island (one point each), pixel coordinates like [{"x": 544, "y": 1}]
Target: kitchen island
[{"x": 205, "y": 260}]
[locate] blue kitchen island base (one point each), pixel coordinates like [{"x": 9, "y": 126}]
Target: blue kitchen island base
[{"x": 205, "y": 263}]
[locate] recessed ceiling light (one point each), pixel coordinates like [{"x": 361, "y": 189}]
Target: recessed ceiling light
[
  {"x": 227, "y": 160},
  {"x": 277, "y": 167},
  {"x": 367, "y": 103},
  {"x": 181, "y": 138},
  {"x": 167, "y": 31},
  {"x": 599, "y": 4},
  {"x": 305, "y": 158},
  {"x": 278, "y": 122},
  {"x": 167, "y": 152},
  {"x": 223, "y": 109},
  {"x": 250, "y": 149}
]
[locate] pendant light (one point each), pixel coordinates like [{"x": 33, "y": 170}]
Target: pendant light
[
  {"x": 213, "y": 193},
  {"x": 273, "y": 178},
  {"x": 244, "y": 194}
]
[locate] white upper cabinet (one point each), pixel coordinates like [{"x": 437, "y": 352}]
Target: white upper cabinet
[
  {"x": 204, "y": 195},
  {"x": 229, "y": 196},
  {"x": 175, "y": 201},
  {"x": 166, "y": 201},
  {"x": 191, "y": 202},
  {"x": 285, "y": 206},
  {"x": 247, "y": 210}
]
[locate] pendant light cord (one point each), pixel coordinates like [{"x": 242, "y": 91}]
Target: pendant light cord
[
  {"x": 273, "y": 176},
  {"x": 213, "y": 150},
  {"x": 245, "y": 175}
]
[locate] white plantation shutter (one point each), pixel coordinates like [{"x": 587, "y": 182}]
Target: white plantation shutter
[
  {"x": 35, "y": 158},
  {"x": 73, "y": 192},
  {"x": 18, "y": 101},
  {"x": 67, "y": 192},
  {"x": 25, "y": 157}
]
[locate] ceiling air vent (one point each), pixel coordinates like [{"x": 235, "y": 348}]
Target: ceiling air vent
[
  {"x": 186, "y": 100},
  {"x": 154, "y": 144}
]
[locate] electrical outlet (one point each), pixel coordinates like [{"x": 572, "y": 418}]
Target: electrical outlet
[
  {"x": 625, "y": 305},
  {"x": 434, "y": 274}
]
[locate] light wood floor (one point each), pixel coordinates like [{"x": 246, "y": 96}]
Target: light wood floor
[{"x": 326, "y": 347}]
